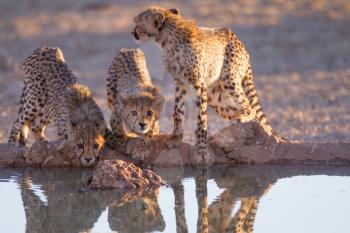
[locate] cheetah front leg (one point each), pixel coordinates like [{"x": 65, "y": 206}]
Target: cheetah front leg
[
  {"x": 116, "y": 124},
  {"x": 202, "y": 154},
  {"x": 178, "y": 115},
  {"x": 139, "y": 148},
  {"x": 61, "y": 123},
  {"x": 202, "y": 202},
  {"x": 61, "y": 126}
]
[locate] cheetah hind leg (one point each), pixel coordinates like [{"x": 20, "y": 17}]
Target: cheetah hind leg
[{"x": 18, "y": 134}]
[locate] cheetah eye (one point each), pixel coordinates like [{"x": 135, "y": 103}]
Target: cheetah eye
[
  {"x": 134, "y": 113},
  {"x": 80, "y": 146},
  {"x": 149, "y": 113},
  {"x": 95, "y": 146}
]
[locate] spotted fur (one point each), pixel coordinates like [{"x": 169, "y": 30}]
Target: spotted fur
[
  {"x": 213, "y": 61},
  {"x": 52, "y": 94},
  {"x": 134, "y": 101}
]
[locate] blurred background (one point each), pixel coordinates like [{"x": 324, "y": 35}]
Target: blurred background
[{"x": 300, "y": 52}]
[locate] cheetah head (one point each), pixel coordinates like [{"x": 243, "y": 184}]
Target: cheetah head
[
  {"x": 86, "y": 126},
  {"x": 87, "y": 139},
  {"x": 140, "y": 113},
  {"x": 150, "y": 22}
]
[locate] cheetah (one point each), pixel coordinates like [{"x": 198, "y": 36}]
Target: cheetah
[
  {"x": 135, "y": 102},
  {"x": 214, "y": 62},
  {"x": 52, "y": 94}
]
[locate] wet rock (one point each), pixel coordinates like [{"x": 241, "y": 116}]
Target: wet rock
[{"x": 123, "y": 175}]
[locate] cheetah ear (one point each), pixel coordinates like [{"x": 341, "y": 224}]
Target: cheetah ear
[
  {"x": 159, "y": 19},
  {"x": 159, "y": 102},
  {"x": 175, "y": 11},
  {"x": 124, "y": 99}
]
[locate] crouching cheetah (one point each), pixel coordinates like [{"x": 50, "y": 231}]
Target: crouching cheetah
[
  {"x": 51, "y": 93},
  {"x": 213, "y": 61},
  {"x": 134, "y": 101}
]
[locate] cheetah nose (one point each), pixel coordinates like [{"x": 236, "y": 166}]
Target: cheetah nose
[
  {"x": 87, "y": 160},
  {"x": 142, "y": 125}
]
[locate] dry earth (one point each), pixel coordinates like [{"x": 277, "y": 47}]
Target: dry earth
[{"x": 299, "y": 49}]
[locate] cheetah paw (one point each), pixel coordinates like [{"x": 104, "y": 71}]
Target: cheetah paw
[
  {"x": 138, "y": 148},
  {"x": 203, "y": 156}
]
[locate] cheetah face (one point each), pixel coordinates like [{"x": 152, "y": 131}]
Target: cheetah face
[
  {"x": 140, "y": 114},
  {"x": 149, "y": 23},
  {"x": 87, "y": 139}
]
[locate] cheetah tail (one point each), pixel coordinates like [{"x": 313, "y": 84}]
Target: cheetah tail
[{"x": 250, "y": 91}]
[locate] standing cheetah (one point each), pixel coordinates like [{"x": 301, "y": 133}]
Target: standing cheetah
[
  {"x": 134, "y": 101},
  {"x": 213, "y": 61},
  {"x": 51, "y": 93}
]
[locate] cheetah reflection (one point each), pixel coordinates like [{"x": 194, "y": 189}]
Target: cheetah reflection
[
  {"x": 142, "y": 215},
  {"x": 69, "y": 209},
  {"x": 241, "y": 190}
]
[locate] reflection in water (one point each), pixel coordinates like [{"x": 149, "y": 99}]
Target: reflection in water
[
  {"x": 178, "y": 188},
  {"x": 69, "y": 208},
  {"x": 142, "y": 215}
]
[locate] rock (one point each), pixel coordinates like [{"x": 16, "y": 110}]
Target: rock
[
  {"x": 11, "y": 155},
  {"x": 51, "y": 154},
  {"x": 169, "y": 158},
  {"x": 36, "y": 154},
  {"x": 123, "y": 175},
  {"x": 245, "y": 143},
  {"x": 239, "y": 135}
]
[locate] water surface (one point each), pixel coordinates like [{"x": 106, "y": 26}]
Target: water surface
[{"x": 264, "y": 199}]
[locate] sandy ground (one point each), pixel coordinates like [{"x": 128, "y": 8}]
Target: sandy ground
[{"x": 300, "y": 54}]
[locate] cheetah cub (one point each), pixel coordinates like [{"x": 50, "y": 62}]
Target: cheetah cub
[
  {"x": 213, "y": 61},
  {"x": 134, "y": 101},
  {"x": 51, "y": 94}
]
